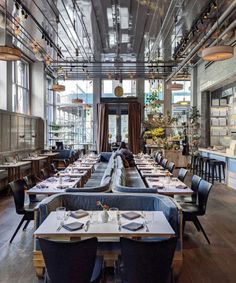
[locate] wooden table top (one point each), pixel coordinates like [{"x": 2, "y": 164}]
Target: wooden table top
[
  {"x": 170, "y": 188},
  {"x": 158, "y": 226}
]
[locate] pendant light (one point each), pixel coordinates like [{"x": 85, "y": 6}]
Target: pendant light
[
  {"x": 183, "y": 102},
  {"x": 58, "y": 87},
  {"x": 218, "y": 52},
  {"x": 175, "y": 86},
  {"x": 8, "y": 53}
]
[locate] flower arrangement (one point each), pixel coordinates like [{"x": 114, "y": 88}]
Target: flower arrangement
[
  {"x": 156, "y": 132},
  {"x": 103, "y": 206}
]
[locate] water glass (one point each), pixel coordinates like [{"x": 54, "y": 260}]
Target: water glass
[
  {"x": 114, "y": 210},
  {"x": 61, "y": 212},
  {"x": 148, "y": 216}
]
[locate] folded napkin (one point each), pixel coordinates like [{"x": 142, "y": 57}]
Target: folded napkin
[
  {"x": 79, "y": 213},
  {"x": 133, "y": 226},
  {"x": 153, "y": 179},
  {"x": 73, "y": 226},
  {"x": 130, "y": 215},
  {"x": 181, "y": 187},
  {"x": 52, "y": 179},
  {"x": 158, "y": 186},
  {"x": 62, "y": 187}
]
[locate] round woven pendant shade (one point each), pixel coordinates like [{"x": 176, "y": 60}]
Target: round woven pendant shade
[
  {"x": 217, "y": 53},
  {"x": 8, "y": 53},
  {"x": 175, "y": 86},
  {"x": 58, "y": 88}
]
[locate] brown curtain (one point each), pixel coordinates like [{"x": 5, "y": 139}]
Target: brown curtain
[
  {"x": 102, "y": 127},
  {"x": 134, "y": 127}
]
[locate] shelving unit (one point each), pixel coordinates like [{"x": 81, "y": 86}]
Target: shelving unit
[
  {"x": 219, "y": 113},
  {"x": 62, "y": 132}
]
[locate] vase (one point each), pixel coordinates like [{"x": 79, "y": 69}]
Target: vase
[{"x": 104, "y": 216}]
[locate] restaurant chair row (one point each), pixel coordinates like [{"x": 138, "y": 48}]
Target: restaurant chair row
[{"x": 140, "y": 261}]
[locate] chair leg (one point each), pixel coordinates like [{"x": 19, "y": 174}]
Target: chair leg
[
  {"x": 26, "y": 225},
  {"x": 17, "y": 229},
  {"x": 203, "y": 231},
  {"x": 196, "y": 224}
]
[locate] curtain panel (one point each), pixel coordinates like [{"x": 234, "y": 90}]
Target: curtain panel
[
  {"x": 134, "y": 127},
  {"x": 102, "y": 127}
]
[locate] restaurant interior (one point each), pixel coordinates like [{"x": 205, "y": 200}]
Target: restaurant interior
[{"x": 117, "y": 141}]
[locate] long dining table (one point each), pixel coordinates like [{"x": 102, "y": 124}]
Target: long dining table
[
  {"x": 168, "y": 186},
  {"x": 54, "y": 185}
]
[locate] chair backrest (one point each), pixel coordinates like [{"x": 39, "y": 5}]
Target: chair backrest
[
  {"x": 171, "y": 167},
  {"x": 203, "y": 193},
  {"x": 182, "y": 174},
  {"x": 158, "y": 158},
  {"x": 195, "y": 183},
  {"x": 18, "y": 191},
  {"x": 30, "y": 181},
  {"x": 164, "y": 162},
  {"x": 69, "y": 262},
  {"x": 147, "y": 261},
  {"x": 53, "y": 167},
  {"x": 45, "y": 172}
]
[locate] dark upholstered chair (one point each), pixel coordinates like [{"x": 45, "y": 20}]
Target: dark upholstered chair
[
  {"x": 164, "y": 163},
  {"x": 158, "y": 158},
  {"x": 46, "y": 173},
  {"x": 147, "y": 261},
  {"x": 171, "y": 167},
  {"x": 192, "y": 211},
  {"x": 182, "y": 174},
  {"x": 18, "y": 190},
  {"x": 31, "y": 181},
  {"x": 71, "y": 262}
]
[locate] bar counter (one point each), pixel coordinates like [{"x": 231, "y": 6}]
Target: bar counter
[{"x": 230, "y": 161}]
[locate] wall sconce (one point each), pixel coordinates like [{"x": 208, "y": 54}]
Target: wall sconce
[
  {"x": 21, "y": 136},
  {"x": 33, "y": 136}
]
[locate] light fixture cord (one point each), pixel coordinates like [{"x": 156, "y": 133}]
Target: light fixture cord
[
  {"x": 217, "y": 23},
  {"x": 5, "y": 30}
]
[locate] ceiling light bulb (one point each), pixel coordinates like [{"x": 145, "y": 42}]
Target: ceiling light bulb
[
  {"x": 17, "y": 30},
  {"x": 35, "y": 49},
  {"x": 47, "y": 60}
]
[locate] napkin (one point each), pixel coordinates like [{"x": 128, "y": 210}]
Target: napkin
[
  {"x": 181, "y": 187},
  {"x": 133, "y": 226},
  {"x": 153, "y": 179},
  {"x": 73, "y": 226},
  {"x": 79, "y": 213},
  {"x": 130, "y": 215}
]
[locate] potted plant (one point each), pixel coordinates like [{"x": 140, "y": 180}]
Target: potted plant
[{"x": 153, "y": 103}]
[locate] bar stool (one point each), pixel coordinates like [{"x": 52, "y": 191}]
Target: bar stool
[
  {"x": 216, "y": 167},
  {"x": 197, "y": 164}
]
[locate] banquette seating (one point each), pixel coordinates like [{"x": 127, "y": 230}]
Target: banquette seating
[{"x": 128, "y": 180}]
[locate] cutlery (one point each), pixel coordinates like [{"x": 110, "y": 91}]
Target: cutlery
[
  {"x": 60, "y": 226},
  {"x": 145, "y": 225},
  {"x": 86, "y": 227},
  {"x": 119, "y": 225}
]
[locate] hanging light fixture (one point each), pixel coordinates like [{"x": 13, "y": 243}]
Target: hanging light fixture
[
  {"x": 175, "y": 86},
  {"x": 8, "y": 53},
  {"x": 184, "y": 102},
  {"x": 218, "y": 52},
  {"x": 58, "y": 88}
]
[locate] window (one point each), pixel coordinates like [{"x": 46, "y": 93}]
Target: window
[
  {"x": 108, "y": 86},
  {"x": 181, "y": 99},
  {"x": 151, "y": 86},
  {"x": 74, "y": 113},
  {"x": 20, "y": 87}
]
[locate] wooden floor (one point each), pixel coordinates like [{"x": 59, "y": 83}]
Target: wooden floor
[{"x": 203, "y": 263}]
